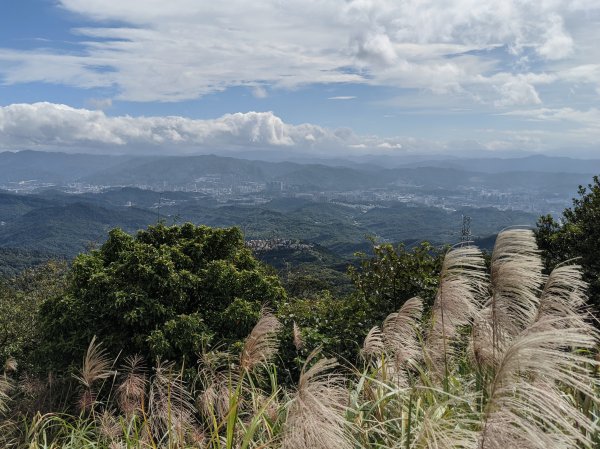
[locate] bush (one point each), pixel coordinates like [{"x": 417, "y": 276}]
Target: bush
[
  {"x": 383, "y": 282},
  {"x": 164, "y": 292},
  {"x": 20, "y": 301},
  {"x": 576, "y": 236}
]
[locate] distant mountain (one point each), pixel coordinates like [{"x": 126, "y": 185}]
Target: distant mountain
[
  {"x": 537, "y": 163},
  {"x": 166, "y": 172},
  {"x": 53, "y": 167}
]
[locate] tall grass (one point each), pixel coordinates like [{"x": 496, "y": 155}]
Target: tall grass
[{"x": 502, "y": 360}]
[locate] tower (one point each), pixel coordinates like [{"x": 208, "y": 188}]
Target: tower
[{"x": 465, "y": 235}]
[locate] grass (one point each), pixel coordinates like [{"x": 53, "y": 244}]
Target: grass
[{"x": 502, "y": 360}]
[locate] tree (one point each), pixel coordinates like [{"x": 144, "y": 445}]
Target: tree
[
  {"x": 575, "y": 236},
  {"x": 164, "y": 292},
  {"x": 20, "y": 300},
  {"x": 393, "y": 275},
  {"x": 383, "y": 282}
]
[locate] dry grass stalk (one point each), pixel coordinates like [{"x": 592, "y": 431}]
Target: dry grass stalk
[
  {"x": 170, "y": 405},
  {"x": 526, "y": 406},
  {"x": 5, "y": 389},
  {"x": 563, "y": 295},
  {"x": 438, "y": 429},
  {"x": 131, "y": 393},
  {"x": 316, "y": 413},
  {"x": 462, "y": 283},
  {"x": 297, "y": 337},
  {"x": 516, "y": 279},
  {"x": 262, "y": 343},
  {"x": 96, "y": 367},
  {"x": 373, "y": 346}
]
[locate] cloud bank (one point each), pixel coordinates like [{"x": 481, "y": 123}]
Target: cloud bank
[
  {"x": 499, "y": 53},
  {"x": 58, "y": 126},
  {"x": 49, "y": 126}
]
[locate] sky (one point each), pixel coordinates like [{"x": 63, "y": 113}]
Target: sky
[{"x": 317, "y": 77}]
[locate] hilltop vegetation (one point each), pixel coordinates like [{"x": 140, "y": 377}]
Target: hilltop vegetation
[
  {"x": 479, "y": 361},
  {"x": 64, "y": 225}
]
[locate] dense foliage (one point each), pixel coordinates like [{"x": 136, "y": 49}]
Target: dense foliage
[
  {"x": 576, "y": 236},
  {"x": 20, "y": 300},
  {"x": 383, "y": 281},
  {"x": 164, "y": 292},
  {"x": 502, "y": 360}
]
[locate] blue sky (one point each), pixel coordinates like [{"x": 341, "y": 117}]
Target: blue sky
[{"x": 327, "y": 77}]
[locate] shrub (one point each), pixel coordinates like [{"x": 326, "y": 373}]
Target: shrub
[{"x": 164, "y": 292}]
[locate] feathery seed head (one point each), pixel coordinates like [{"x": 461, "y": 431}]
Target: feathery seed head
[
  {"x": 316, "y": 414},
  {"x": 262, "y": 343}
]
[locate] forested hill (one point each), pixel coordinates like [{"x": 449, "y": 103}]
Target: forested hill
[
  {"x": 537, "y": 174},
  {"x": 65, "y": 224}
]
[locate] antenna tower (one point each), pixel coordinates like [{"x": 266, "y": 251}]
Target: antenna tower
[{"x": 465, "y": 235}]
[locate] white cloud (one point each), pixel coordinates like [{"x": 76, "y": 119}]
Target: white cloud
[
  {"x": 590, "y": 117},
  {"x": 183, "y": 49},
  {"x": 342, "y": 97},
  {"x": 259, "y": 92},
  {"x": 49, "y": 126},
  {"x": 389, "y": 146},
  {"x": 57, "y": 126},
  {"x": 517, "y": 91}
]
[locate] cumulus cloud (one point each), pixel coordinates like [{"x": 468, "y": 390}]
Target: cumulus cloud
[
  {"x": 517, "y": 91},
  {"x": 58, "y": 126},
  {"x": 184, "y": 49},
  {"x": 52, "y": 126}
]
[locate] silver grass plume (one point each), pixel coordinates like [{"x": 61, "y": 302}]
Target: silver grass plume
[
  {"x": 316, "y": 412},
  {"x": 527, "y": 407},
  {"x": 96, "y": 367},
  {"x": 110, "y": 427},
  {"x": 215, "y": 399},
  {"x": 262, "y": 343},
  {"x": 563, "y": 295},
  {"x": 401, "y": 331},
  {"x": 463, "y": 282},
  {"x": 516, "y": 278},
  {"x": 11, "y": 365},
  {"x": 170, "y": 405},
  {"x": 131, "y": 392},
  {"x": 399, "y": 341},
  {"x": 297, "y": 337},
  {"x": 218, "y": 380},
  {"x": 373, "y": 346}
]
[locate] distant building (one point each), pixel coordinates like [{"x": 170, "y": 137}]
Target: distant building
[{"x": 275, "y": 186}]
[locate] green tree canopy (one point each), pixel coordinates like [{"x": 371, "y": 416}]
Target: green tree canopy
[
  {"x": 383, "y": 281},
  {"x": 20, "y": 301},
  {"x": 162, "y": 293},
  {"x": 576, "y": 235}
]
